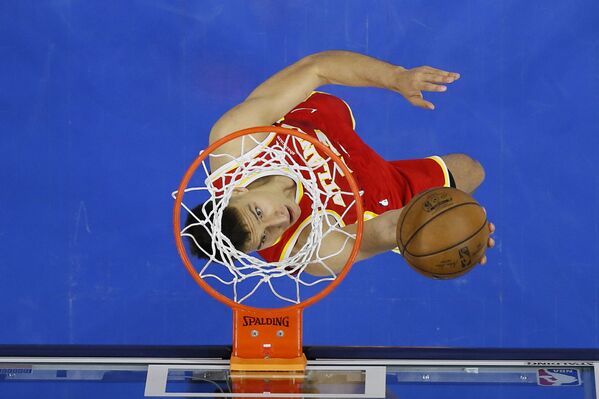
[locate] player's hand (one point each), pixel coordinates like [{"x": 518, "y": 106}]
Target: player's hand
[
  {"x": 410, "y": 83},
  {"x": 490, "y": 242}
]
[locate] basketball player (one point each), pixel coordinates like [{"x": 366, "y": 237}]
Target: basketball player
[{"x": 265, "y": 215}]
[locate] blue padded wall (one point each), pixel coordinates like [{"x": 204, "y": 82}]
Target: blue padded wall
[{"x": 103, "y": 105}]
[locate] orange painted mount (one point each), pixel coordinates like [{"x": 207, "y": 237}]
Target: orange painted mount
[{"x": 267, "y": 339}]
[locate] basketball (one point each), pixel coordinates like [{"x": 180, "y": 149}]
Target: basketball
[{"x": 442, "y": 233}]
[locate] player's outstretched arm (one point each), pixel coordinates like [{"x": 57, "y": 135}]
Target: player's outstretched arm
[
  {"x": 278, "y": 94},
  {"x": 351, "y": 69},
  {"x": 378, "y": 236}
]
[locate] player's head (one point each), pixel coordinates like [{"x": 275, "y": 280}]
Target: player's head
[
  {"x": 266, "y": 213},
  {"x": 253, "y": 220},
  {"x": 231, "y": 226}
]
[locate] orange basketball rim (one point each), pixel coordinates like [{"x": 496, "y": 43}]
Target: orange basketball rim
[{"x": 267, "y": 339}]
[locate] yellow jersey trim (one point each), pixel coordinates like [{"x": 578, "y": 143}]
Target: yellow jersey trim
[
  {"x": 294, "y": 237},
  {"x": 443, "y": 167}
]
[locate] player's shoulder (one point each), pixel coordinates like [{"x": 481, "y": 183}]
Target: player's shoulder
[
  {"x": 233, "y": 148},
  {"x": 324, "y": 99},
  {"x": 317, "y": 103},
  {"x": 326, "y": 102},
  {"x": 325, "y": 108},
  {"x": 226, "y": 154}
]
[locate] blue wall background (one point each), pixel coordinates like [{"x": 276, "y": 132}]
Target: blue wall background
[{"x": 103, "y": 105}]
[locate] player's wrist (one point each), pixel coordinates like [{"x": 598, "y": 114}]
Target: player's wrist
[{"x": 389, "y": 76}]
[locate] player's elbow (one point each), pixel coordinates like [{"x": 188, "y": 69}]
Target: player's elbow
[{"x": 317, "y": 64}]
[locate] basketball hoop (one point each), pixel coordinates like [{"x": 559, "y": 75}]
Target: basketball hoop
[{"x": 265, "y": 337}]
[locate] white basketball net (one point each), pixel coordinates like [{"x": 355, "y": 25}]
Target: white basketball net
[{"x": 244, "y": 268}]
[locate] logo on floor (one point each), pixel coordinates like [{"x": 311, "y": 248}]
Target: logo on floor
[{"x": 558, "y": 377}]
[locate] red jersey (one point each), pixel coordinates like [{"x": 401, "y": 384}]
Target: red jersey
[{"x": 384, "y": 185}]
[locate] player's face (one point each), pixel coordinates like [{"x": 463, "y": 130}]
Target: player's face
[{"x": 267, "y": 214}]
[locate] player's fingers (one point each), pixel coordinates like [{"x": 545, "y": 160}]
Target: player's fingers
[
  {"x": 438, "y": 78},
  {"x": 418, "y": 101},
  {"x": 483, "y": 260},
  {"x": 441, "y": 72},
  {"x": 490, "y": 243},
  {"x": 491, "y": 225},
  {"x": 425, "y": 86}
]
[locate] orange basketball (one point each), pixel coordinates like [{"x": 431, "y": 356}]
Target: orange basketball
[{"x": 442, "y": 233}]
